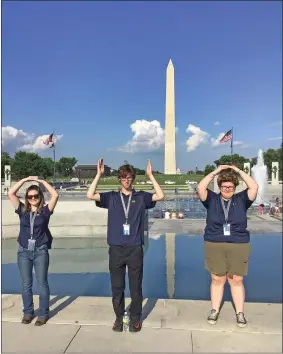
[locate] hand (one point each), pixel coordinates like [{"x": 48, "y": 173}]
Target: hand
[
  {"x": 221, "y": 167},
  {"x": 235, "y": 168},
  {"x": 100, "y": 167},
  {"x": 149, "y": 169},
  {"x": 30, "y": 178}
]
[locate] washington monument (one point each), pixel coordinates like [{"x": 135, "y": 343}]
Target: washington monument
[{"x": 170, "y": 130}]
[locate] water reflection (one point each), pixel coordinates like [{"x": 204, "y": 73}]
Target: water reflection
[{"x": 173, "y": 268}]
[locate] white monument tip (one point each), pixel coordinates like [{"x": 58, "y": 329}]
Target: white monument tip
[{"x": 170, "y": 63}]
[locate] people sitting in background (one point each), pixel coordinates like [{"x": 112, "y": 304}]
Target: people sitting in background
[
  {"x": 260, "y": 209},
  {"x": 277, "y": 207},
  {"x": 180, "y": 215},
  {"x": 167, "y": 215},
  {"x": 174, "y": 215}
]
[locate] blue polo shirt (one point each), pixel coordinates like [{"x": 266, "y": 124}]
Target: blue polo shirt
[
  {"x": 237, "y": 218},
  {"x": 41, "y": 232},
  {"x": 116, "y": 216}
]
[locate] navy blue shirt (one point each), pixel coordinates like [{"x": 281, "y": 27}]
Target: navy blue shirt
[
  {"x": 41, "y": 232},
  {"x": 237, "y": 218},
  {"x": 116, "y": 216}
]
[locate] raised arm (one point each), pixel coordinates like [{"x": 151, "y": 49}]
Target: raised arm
[
  {"x": 158, "y": 195},
  {"x": 250, "y": 182},
  {"x": 54, "y": 195},
  {"x": 204, "y": 183},
  {"x": 91, "y": 193},
  {"x": 13, "y": 191}
]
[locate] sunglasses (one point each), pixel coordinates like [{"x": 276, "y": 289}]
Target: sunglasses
[{"x": 33, "y": 196}]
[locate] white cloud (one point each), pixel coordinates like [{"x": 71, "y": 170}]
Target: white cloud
[
  {"x": 37, "y": 144},
  {"x": 216, "y": 141},
  {"x": 276, "y": 123},
  {"x": 216, "y": 123},
  {"x": 14, "y": 139},
  {"x": 276, "y": 138},
  {"x": 10, "y": 134},
  {"x": 148, "y": 136},
  {"x": 238, "y": 142},
  {"x": 199, "y": 137}
]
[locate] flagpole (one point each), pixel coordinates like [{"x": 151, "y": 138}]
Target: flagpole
[
  {"x": 54, "y": 162},
  {"x": 232, "y": 146}
]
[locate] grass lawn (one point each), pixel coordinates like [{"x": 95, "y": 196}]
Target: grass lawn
[{"x": 179, "y": 179}]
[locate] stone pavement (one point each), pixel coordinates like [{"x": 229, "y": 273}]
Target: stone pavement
[{"x": 83, "y": 324}]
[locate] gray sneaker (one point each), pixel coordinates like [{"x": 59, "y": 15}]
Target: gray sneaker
[
  {"x": 213, "y": 317},
  {"x": 241, "y": 321}
]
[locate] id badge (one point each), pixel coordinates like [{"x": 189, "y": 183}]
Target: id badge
[
  {"x": 126, "y": 229},
  {"x": 31, "y": 244},
  {"x": 226, "y": 230}
]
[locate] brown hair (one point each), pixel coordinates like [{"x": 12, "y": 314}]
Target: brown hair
[
  {"x": 227, "y": 175},
  {"x": 126, "y": 170},
  {"x": 41, "y": 198}
]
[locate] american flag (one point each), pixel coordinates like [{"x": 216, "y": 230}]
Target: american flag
[
  {"x": 226, "y": 137},
  {"x": 49, "y": 139}
]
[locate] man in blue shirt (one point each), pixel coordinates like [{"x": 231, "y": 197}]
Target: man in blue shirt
[{"x": 125, "y": 237}]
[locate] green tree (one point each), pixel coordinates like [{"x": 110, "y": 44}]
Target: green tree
[
  {"x": 27, "y": 164},
  {"x": 5, "y": 160},
  {"x": 272, "y": 155},
  {"x": 49, "y": 167},
  {"x": 65, "y": 165},
  {"x": 237, "y": 159},
  {"x": 208, "y": 169}
]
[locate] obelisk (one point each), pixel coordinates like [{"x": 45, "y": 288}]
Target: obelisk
[{"x": 170, "y": 130}]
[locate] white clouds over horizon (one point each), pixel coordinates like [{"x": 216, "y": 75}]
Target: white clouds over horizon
[
  {"x": 148, "y": 136},
  {"x": 15, "y": 139},
  {"x": 198, "y": 137},
  {"x": 275, "y": 139}
]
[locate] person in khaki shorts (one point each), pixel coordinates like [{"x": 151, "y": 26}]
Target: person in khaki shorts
[{"x": 226, "y": 238}]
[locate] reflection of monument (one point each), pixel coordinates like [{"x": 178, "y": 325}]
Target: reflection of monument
[
  {"x": 259, "y": 174},
  {"x": 170, "y": 130},
  {"x": 170, "y": 263},
  {"x": 275, "y": 174},
  {"x": 7, "y": 170},
  {"x": 247, "y": 168}
]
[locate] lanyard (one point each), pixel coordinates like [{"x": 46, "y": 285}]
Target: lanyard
[
  {"x": 32, "y": 217},
  {"x": 126, "y": 210},
  {"x": 226, "y": 210}
]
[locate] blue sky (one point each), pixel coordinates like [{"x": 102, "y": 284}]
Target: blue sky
[{"x": 91, "y": 69}]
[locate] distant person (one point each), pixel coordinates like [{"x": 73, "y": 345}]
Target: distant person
[
  {"x": 167, "y": 215},
  {"x": 227, "y": 240},
  {"x": 180, "y": 215},
  {"x": 277, "y": 207},
  {"x": 33, "y": 243},
  {"x": 260, "y": 209},
  {"x": 125, "y": 237}
]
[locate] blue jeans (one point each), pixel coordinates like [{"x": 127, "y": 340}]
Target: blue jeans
[{"x": 39, "y": 259}]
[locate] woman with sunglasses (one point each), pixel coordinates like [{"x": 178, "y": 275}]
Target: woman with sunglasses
[
  {"x": 226, "y": 238},
  {"x": 34, "y": 240}
]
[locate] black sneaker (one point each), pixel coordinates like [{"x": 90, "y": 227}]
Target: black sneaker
[
  {"x": 241, "y": 321},
  {"x": 213, "y": 317},
  {"x": 135, "y": 327},
  {"x": 118, "y": 326}
]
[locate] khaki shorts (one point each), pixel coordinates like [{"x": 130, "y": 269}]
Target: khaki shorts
[{"x": 223, "y": 258}]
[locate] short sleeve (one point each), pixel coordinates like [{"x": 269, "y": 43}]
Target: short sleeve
[
  {"x": 19, "y": 209},
  {"x": 210, "y": 196},
  {"x": 245, "y": 198},
  {"x": 147, "y": 197},
  {"x": 47, "y": 211},
  {"x": 104, "y": 200}
]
